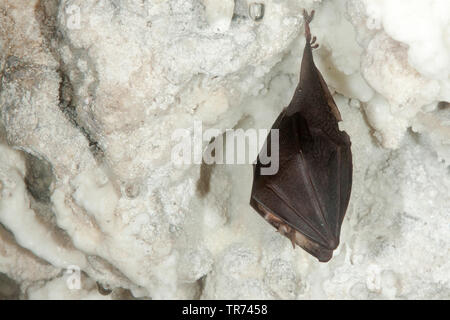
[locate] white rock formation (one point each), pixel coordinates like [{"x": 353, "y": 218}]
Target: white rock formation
[{"x": 92, "y": 91}]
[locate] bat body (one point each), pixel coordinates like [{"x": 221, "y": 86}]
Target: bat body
[{"x": 307, "y": 198}]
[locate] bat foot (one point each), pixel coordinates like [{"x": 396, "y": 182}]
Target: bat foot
[{"x": 308, "y": 18}]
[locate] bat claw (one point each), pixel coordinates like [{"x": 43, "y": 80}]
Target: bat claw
[{"x": 292, "y": 238}]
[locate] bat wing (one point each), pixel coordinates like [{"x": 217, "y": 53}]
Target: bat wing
[{"x": 311, "y": 190}]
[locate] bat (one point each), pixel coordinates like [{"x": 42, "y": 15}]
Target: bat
[{"x": 306, "y": 199}]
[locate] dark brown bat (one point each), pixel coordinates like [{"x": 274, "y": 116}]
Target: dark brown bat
[{"x": 307, "y": 198}]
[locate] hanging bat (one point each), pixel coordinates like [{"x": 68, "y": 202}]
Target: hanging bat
[{"x": 307, "y": 198}]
